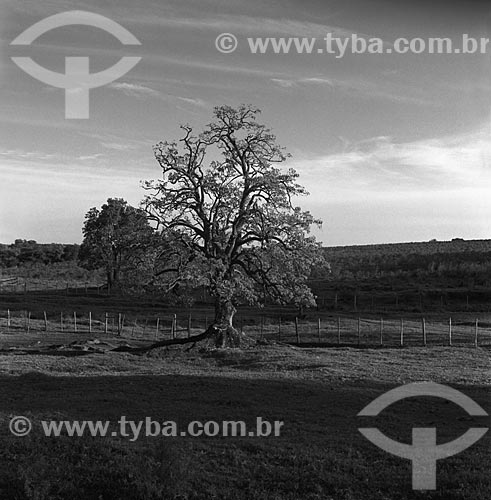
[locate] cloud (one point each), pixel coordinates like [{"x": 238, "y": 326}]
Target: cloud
[
  {"x": 134, "y": 89},
  {"x": 266, "y": 26},
  {"x": 24, "y": 155},
  {"x": 116, "y": 146},
  {"x": 284, "y": 82},
  {"x": 318, "y": 80},
  {"x": 90, "y": 157},
  {"x": 192, "y": 100},
  {"x": 357, "y": 87},
  {"x": 384, "y": 168},
  {"x": 141, "y": 91}
]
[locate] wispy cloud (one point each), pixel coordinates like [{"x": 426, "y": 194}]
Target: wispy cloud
[
  {"x": 243, "y": 24},
  {"x": 141, "y": 91},
  {"x": 116, "y": 146},
  {"x": 90, "y": 157},
  {"x": 22, "y": 155},
  {"x": 193, "y": 100},
  {"x": 135, "y": 89},
  {"x": 386, "y": 167},
  {"x": 360, "y": 87}
]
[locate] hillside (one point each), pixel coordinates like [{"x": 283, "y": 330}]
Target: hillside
[
  {"x": 457, "y": 261},
  {"x": 414, "y": 276}
]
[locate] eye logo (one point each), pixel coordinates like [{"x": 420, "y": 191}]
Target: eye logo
[
  {"x": 77, "y": 80},
  {"x": 424, "y": 452}
]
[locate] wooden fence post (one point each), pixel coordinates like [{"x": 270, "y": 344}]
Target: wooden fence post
[
  {"x": 381, "y": 331},
  {"x": 296, "y": 330},
  {"x": 156, "y": 328},
  {"x": 119, "y": 324},
  {"x": 423, "y": 325},
  {"x": 90, "y": 321},
  {"x": 450, "y": 332},
  {"x": 319, "y": 330},
  {"x": 61, "y": 321},
  {"x": 172, "y": 333},
  {"x": 262, "y": 328},
  {"x": 402, "y": 333},
  {"x": 28, "y": 322},
  {"x": 74, "y": 321},
  {"x": 476, "y": 333},
  {"x": 359, "y": 330},
  {"x": 105, "y": 322},
  {"x": 45, "y": 321},
  {"x": 8, "y": 319}
]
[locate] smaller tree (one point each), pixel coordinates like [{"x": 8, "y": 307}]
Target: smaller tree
[{"x": 116, "y": 238}]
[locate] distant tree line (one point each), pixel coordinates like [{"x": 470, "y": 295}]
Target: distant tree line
[
  {"x": 457, "y": 261},
  {"x": 28, "y": 253}
]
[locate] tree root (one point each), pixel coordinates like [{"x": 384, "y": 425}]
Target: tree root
[{"x": 222, "y": 338}]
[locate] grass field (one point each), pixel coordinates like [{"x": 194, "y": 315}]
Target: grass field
[{"x": 317, "y": 393}]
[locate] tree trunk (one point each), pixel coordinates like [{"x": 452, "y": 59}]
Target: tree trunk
[
  {"x": 109, "y": 279},
  {"x": 225, "y": 335},
  {"x": 221, "y": 333},
  {"x": 113, "y": 279}
]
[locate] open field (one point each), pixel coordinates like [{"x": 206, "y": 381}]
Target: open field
[
  {"x": 28, "y": 330},
  {"x": 317, "y": 393},
  {"x": 63, "y": 367}
]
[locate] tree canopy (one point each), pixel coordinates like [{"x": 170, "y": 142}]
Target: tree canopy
[
  {"x": 115, "y": 237},
  {"x": 226, "y": 208}
]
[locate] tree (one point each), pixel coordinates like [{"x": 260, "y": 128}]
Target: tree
[
  {"x": 230, "y": 224},
  {"x": 114, "y": 239}
]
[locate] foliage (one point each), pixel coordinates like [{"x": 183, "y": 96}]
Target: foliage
[
  {"x": 116, "y": 238},
  {"x": 29, "y": 252},
  {"x": 226, "y": 210}
]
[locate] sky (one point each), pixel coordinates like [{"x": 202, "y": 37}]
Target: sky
[{"x": 391, "y": 147}]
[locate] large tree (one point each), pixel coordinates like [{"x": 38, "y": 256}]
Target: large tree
[
  {"x": 116, "y": 238},
  {"x": 226, "y": 208}
]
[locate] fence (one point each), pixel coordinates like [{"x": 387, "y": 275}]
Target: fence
[
  {"x": 23, "y": 327},
  {"x": 342, "y": 301},
  {"x": 382, "y": 332},
  {"x": 411, "y": 300}
]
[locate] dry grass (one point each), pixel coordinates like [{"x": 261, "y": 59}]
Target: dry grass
[{"x": 316, "y": 392}]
